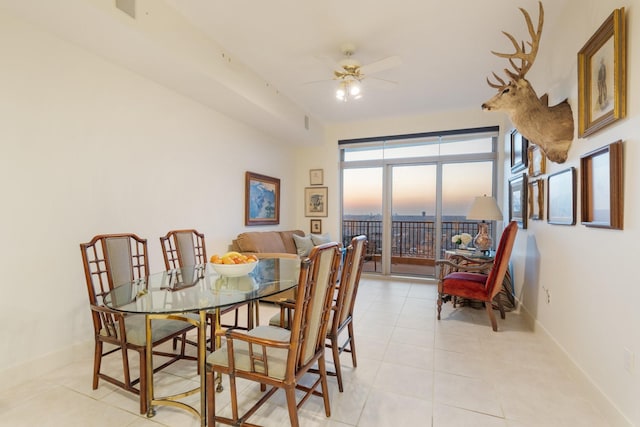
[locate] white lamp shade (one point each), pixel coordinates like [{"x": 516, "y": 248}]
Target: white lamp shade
[{"x": 485, "y": 208}]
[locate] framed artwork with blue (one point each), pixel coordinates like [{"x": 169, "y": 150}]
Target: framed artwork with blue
[{"x": 262, "y": 199}]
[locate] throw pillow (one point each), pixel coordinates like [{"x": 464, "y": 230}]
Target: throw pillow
[
  {"x": 319, "y": 239},
  {"x": 304, "y": 244}
]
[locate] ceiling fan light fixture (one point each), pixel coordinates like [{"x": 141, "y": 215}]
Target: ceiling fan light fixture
[{"x": 348, "y": 90}]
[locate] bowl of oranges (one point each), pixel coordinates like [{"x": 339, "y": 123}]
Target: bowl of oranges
[{"x": 233, "y": 264}]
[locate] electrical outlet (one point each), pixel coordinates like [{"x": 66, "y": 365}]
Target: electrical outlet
[{"x": 629, "y": 360}]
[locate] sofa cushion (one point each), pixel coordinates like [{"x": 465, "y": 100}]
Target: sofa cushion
[
  {"x": 304, "y": 244},
  {"x": 287, "y": 239},
  {"x": 319, "y": 239},
  {"x": 260, "y": 241}
]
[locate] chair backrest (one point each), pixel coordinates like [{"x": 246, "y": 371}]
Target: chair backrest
[
  {"x": 501, "y": 260},
  {"x": 318, "y": 276},
  {"x": 181, "y": 248},
  {"x": 349, "y": 280},
  {"x": 110, "y": 260}
]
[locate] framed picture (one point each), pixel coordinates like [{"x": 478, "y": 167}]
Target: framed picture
[
  {"x": 601, "y": 182},
  {"x": 519, "y": 148},
  {"x": 602, "y": 76},
  {"x": 518, "y": 200},
  {"x": 316, "y": 226},
  {"x": 561, "y": 197},
  {"x": 537, "y": 161},
  {"x": 536, "y": 199},
  {"x": 262, "y": 199},
  {"x": 316, "y": 176},
  {"x": 315, "y": 201}
]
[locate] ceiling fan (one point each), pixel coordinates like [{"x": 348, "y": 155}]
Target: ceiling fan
[
  {"x": 350, "y": 72},
  {"x": 350, "y": 68}
]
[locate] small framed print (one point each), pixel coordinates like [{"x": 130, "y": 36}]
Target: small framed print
[
  {"x": 537, "y": 161},
  {"x": 316, "y": 226},
  {"x": 518, "y": 200},
  {"x": 315, "y": 201},
  {"x": 561, "y": 197},
  {"x": 519, "y": 151},
  {"x": 602, "y": 76},
  {"x": 601, "y": 184},
  {"x": 316, "y": 176},
  {"x": 536, "y": 199}
]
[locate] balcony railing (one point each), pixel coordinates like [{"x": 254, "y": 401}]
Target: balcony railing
[{"x": 412, "y": 242}]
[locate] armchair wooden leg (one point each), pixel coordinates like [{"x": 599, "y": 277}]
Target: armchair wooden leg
[
  {"x": 290, "y": 392},
  {"x": 439, "y": 304},
  {"x": 492, "y": 317}
]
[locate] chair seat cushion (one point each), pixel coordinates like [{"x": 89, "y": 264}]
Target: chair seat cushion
[
  {"x": 160, "y": 328},
  {"x": 276, "y": 358},
  {"x": 467, "y": 285}
]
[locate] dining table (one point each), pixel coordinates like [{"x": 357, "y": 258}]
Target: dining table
[{"x": 189, "y": 294}]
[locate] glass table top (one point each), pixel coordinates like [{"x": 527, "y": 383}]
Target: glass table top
[{"x": 199, "y": 287}]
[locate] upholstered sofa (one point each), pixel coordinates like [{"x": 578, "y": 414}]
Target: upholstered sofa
[
  {"x": 271, "y": 242},
  {"x": 277, "y": 243}
]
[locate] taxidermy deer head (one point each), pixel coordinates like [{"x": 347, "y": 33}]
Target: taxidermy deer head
[{"x": 551, "y": 128}]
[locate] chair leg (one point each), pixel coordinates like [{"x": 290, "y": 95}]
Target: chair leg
[
  {"x": 322, "y": 367},
  {"x": 439, "y": 304},
  {"x": 290, "y": 392},
  {"x": 352, "y": 345},
  {"x": 97, "y": 361},
  {"x": 335, "y": 350},
  {"x": 211, "y": 397},
  {"x": 143, "y": 381},
  {"x": 492, "y": 317}
]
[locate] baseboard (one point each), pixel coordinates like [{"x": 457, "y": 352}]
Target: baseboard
[
  {"x": 43, "y": 365},
  {"x": 608, "y": 408}
]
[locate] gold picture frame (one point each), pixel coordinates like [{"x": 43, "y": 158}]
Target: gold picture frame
[
  {"x": 316, "y": 176},
  {"x": 316, "y": 226},
  {"x": 537, "y": 161},
  {"x": 315, "y": 201},
  {"x": 536, "y": 199},
  {"x": 262, "y": 199},
  {"x": 602, "y": 187},
  {"x": 602, "y": 76}
]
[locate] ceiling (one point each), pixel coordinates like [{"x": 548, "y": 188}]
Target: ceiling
[
  {"x": 444, "y": 48},
  {"x": 270, "y": 63}
]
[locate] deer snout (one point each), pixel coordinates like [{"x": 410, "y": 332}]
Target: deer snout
[{"x": 486, "y": 107}]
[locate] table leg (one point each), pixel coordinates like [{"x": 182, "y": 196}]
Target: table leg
[
  {"x": 218, "y": 339},
  {"x": 202, "y": 364}
]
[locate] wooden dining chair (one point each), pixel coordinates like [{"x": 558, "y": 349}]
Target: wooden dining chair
[
  {"x": 182, "y": 248},
  {"x": 110, "y": 260},
  {"x": 468, "y": 280},
  {"x": 342, "y": 308},
  {"x": 277, "y": 357}
]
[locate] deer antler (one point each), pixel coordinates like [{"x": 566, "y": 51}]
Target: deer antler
[{"x": 526, "y": 59}]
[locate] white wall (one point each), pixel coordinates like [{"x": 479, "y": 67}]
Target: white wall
[
  {"x": 88, "y": 147},
  {"x": 590, "y": 273}
]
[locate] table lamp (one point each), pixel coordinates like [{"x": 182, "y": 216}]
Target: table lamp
[{"x": 484, "y": 209}]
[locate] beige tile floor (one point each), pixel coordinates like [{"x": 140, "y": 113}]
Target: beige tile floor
[{"x": 412, "y": 371}]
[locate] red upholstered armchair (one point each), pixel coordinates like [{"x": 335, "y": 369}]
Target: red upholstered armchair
[{"x": 467, "y": 282}]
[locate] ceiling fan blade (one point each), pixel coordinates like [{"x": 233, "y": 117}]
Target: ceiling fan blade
[
  {"x": 382, "y": 65},
  {"x": 382, "y": 83}
]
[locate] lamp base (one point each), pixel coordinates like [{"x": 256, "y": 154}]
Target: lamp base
[{"x": 483, "y": 240}]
